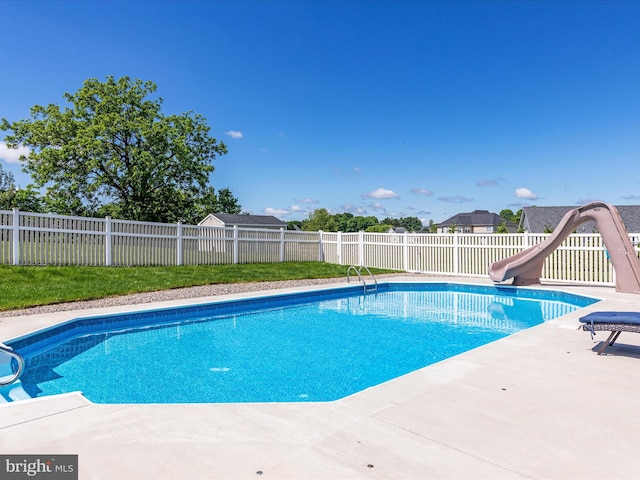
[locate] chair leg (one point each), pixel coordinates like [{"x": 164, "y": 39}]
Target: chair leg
[
  {"x": 610, "y": 341},
  {"x": 615, "y": 337}
]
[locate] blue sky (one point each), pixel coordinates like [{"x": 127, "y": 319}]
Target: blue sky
[{"x": 417, "y": 108}]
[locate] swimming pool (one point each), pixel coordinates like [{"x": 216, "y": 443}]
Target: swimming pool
[{"x": 310, "y": 346}]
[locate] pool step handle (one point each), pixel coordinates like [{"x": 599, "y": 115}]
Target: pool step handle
[
  {"x": 7, "y": 375},
  {"x": 358, "y": 270}
]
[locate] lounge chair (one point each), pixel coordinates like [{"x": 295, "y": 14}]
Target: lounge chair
[{"x": 614, "y": 322}]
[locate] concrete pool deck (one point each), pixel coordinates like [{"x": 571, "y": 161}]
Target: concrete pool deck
[{"x": 537, "y": 404}]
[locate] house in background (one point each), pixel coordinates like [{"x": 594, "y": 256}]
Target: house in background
[
  {"x": 546, "y": 219},
  {"x": 242, "y": 221},
  {"x": 478, "y": 221}
]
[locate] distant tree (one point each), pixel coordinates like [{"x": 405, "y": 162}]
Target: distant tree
[
  {"x": 393, "y": 222},
  {"x": 26, "y": 199},
  {"x": 342, "y": 221},
  {"x": 294, "y": 225},
  {"x": 433, "y": 227},
  {"x": 412, "y": 224},
  {"x": 7, "y": 180},
  {"x": 509, "y": 216},
  {"x": 320, "y": 219},
  {"x": 379, "y": 228},
  {"x": 360, "y": 223},
  {"x": 502, "y": 228},
  {"x": 210, "y": 202},
  {"x": 453, "y": 228},
  {"x": 111, "y": 149}
]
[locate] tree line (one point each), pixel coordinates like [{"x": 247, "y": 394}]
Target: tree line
[{"x": 321, "y": 219}]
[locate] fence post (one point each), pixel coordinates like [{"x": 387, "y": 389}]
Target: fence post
[
  {"x": 281, "y": 244},
  {"x": 320, "y": 246},
  {"x": 361, "y": 248},
  {"x": 108, "y": 254},
  {"x": 179, "y": 255},
  {"x": 456, "y": 257},
  {"x": 236, "y": 241},
  {"x": 339, "y": 247},
  {"x": 16, "y": 236},
  {"x": 405, "y": 252}
]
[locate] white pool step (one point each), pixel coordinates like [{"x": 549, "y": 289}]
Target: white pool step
[{"x": 13, "y": 393}]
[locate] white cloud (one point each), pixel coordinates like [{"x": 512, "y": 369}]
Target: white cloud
[
  {"x": 347, "y": 207},
  {"x": 381, "y": 193},
  {"x": 377, "y": 207},
  {"x": 296, "y": 208},
  {"x": 356, "y": 170},
  {"x": 491, "y": 182},
  {"x": 235, "y": 134},
  {"x": 456, "y": 199},
  {"x": 12, "y": 155},
  {"x": 275, "y": 211},
  {"x": 306, "y": 200},
  {"x": 525, "y": 193},
  {"x": 422, "y": 191}
]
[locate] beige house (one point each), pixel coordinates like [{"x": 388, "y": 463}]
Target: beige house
[
  {"x": 226, "y": 220},
  {"x": 242, "y": 221}
]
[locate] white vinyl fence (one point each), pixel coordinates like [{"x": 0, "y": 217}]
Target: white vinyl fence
[{"x": 46, "y": 239}]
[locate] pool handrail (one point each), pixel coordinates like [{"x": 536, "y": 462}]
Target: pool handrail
[
  {"x": 16, "y": 375},
  {"x": 359, "y": 273}
]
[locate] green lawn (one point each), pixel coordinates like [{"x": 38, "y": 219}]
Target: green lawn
[{"x": 23, "y": 287}]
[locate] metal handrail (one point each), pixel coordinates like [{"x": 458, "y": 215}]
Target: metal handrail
[
  {"x": 9, "y": 351},
  {"x": 355, "y": 270},
  {"x": 364, "y": 283}
]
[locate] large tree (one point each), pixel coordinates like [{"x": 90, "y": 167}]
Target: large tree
[{"x": 111, "y": 151}]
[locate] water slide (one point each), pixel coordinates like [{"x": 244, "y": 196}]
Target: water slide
[{"x": 526, "y": 267}]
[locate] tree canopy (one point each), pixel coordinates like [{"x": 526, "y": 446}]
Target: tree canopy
[
  {"x": 321, "y": 219},
  {"x": 111, "y": 151},
  {"x": 508, "y": 215}
]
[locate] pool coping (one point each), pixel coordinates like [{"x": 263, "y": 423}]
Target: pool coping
[{"x": 532, "y": 405}]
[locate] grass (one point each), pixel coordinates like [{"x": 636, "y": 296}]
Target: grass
[{"x": 24, "y": 287}]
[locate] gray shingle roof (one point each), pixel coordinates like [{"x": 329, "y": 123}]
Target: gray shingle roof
[
  {"x": 475, "y": 218},
  {"x": 537, "y": 219},
  {"x": 250, "y": 220}
]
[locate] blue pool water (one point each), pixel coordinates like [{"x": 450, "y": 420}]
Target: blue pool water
[{"x": 317, "y": 346}]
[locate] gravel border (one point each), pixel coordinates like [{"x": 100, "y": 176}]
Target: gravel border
[{"x": 180, "y": 294}]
